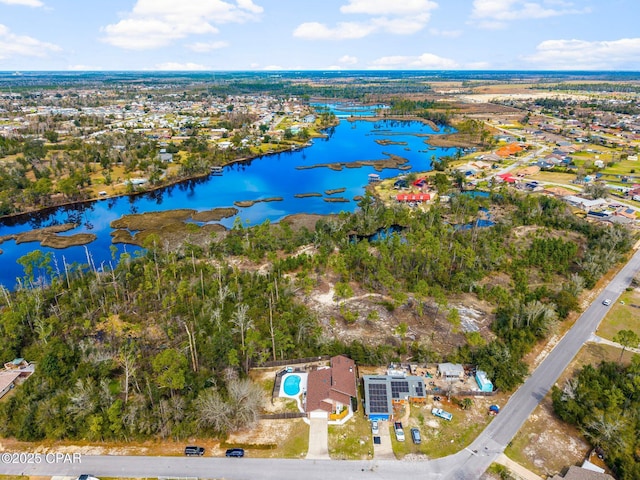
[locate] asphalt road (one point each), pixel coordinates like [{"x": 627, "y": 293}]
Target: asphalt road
[{"x": 470, "y": 463}]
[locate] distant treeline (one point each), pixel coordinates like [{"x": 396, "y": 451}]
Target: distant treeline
[
  {"x": 427, "y": 109},
  {"x": 591, "y": 87}
]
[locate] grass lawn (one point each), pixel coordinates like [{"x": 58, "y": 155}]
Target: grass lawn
[
  {"x": 554, "y": 177},
  {"x": 622, "y": 167},
  {"x": 622, "y": 316},
  {"x": 351, "y": 441},
  {"x": 296, "y": 444},
  {"x": 441, "y": 437}
]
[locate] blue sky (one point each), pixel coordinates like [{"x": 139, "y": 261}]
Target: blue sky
[{"x": 319, "y": 34}]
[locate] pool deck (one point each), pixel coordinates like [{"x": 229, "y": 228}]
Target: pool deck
[{"x": 303, "y": 385}]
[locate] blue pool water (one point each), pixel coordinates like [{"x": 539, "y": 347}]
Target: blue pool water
[
  {"x": 280, "y": 175},
  {"x": 292, "y": 385}
]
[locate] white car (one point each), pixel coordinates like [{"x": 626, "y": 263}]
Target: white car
[
  {"x": 606, "y": 302},
  {"x": 374, "y": 427}
]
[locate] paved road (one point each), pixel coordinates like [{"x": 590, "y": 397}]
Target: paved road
[
  {"x": 470, "y": 463},
  {"x": 494, "y": 439}
]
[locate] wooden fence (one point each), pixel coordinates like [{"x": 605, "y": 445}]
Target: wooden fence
[
  {"x": 294, "y": 361},
  {"x": 280, "y": 416},
  {"x": 460, "y": 393}
]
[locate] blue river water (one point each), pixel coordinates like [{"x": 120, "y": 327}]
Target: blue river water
[{"x": 273, "y": 175}]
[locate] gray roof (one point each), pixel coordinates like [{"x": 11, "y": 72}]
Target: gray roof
[
  {"x": 451, "y": 369},
  {"x": 380, "y": 390}
]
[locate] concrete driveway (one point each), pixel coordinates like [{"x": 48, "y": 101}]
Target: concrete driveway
[
  {"x": 318, "y": 438},
  {"x": 384, "y": 451}
]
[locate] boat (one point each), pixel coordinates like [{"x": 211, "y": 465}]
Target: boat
[{"x": 216, "y": 170}]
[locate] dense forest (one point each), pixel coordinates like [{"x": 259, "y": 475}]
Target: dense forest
[
  {"x": 604, "y": 402},
  {"x": 160, "y": 344},
  {"x": 438, "y": 113}
]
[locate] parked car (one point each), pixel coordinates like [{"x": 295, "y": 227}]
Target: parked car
[
  {"x": 397, "y": 428},
  {"x": 415, "y": 436},
  {"x": 374, "y": 427},
  {"x": 438, "y": 412},
  {"x": 193, "y": 451},
  {"x": 235, "y": 452},
  {"x": 606, "y": 302}
]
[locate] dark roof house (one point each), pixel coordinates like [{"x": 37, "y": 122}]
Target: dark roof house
[
  {"x": 328, "y": 388},
  {"x": 382, "y": 391}
]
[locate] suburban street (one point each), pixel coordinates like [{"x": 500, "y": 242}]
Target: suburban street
[{"x": 470, "y": 463}]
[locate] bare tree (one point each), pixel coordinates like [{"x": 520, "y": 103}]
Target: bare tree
[
  {"x": 242, "y": 324},
  {"x": 603, "y": 430},
  {"x": 127, "y": 361},
  {"x": 83, "y": 398},
  {"x": 213, "y": 411},
  {"x": 246, "y": 400}
]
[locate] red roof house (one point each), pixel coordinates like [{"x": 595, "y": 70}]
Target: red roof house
[
  {"x": 413, "y": 197},
  {"x": 329, "y": 389},
  {"x": 506, "y": 177}
]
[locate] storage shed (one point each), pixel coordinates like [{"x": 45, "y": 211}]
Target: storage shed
[
  {"x": 451, "y": 371},
  {"x": 484, "y": 383}
]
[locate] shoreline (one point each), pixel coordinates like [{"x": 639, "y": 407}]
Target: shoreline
[
  {"x": 16, "y": 217},
  {"x": 401, "y": 118}
]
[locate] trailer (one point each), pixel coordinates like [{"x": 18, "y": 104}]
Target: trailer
[{"x": 438, "y": 412}]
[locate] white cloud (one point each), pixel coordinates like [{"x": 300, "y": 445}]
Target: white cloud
[
  {"x": 12, "y": 45},
  {"x": 26, "y": 3},
  {"x": 84, "y": 68},
  {"x": 274, "y": 67},
  {"x": 344, "y": 31},
  {"x": 445, "y": 33},
  {"x": 478, "y": 66},
  {"x": 181, "y": 66},
  {"x": 430, "y": 61},
  {"x": 157, "y": 23},
  {"x": 493, "y": 14},
  {"x": 402, "y": 25},
  {"x": 249, "y": 6},
  {"x": 427, "y": 61},
  {"x": 389, "y": 7},
  {"x": 391, "y": 61},
  {"x": 390, "y": 16},
  {"x": 348, "y": 60},
  {"x": 584, "y": 55},
  {"x": 203, "y": 47}
]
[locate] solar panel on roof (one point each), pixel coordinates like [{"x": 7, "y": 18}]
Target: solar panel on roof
[
  {"x": 419, "y": 389},
  {"x": 378, "y": 402},
  {"x": 399, "y": 388}
]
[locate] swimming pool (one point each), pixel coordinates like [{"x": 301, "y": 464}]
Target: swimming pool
[{"x": 291, "y": 385}]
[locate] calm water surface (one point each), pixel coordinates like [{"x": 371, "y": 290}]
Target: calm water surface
[{"x": 263, "y": 177}]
